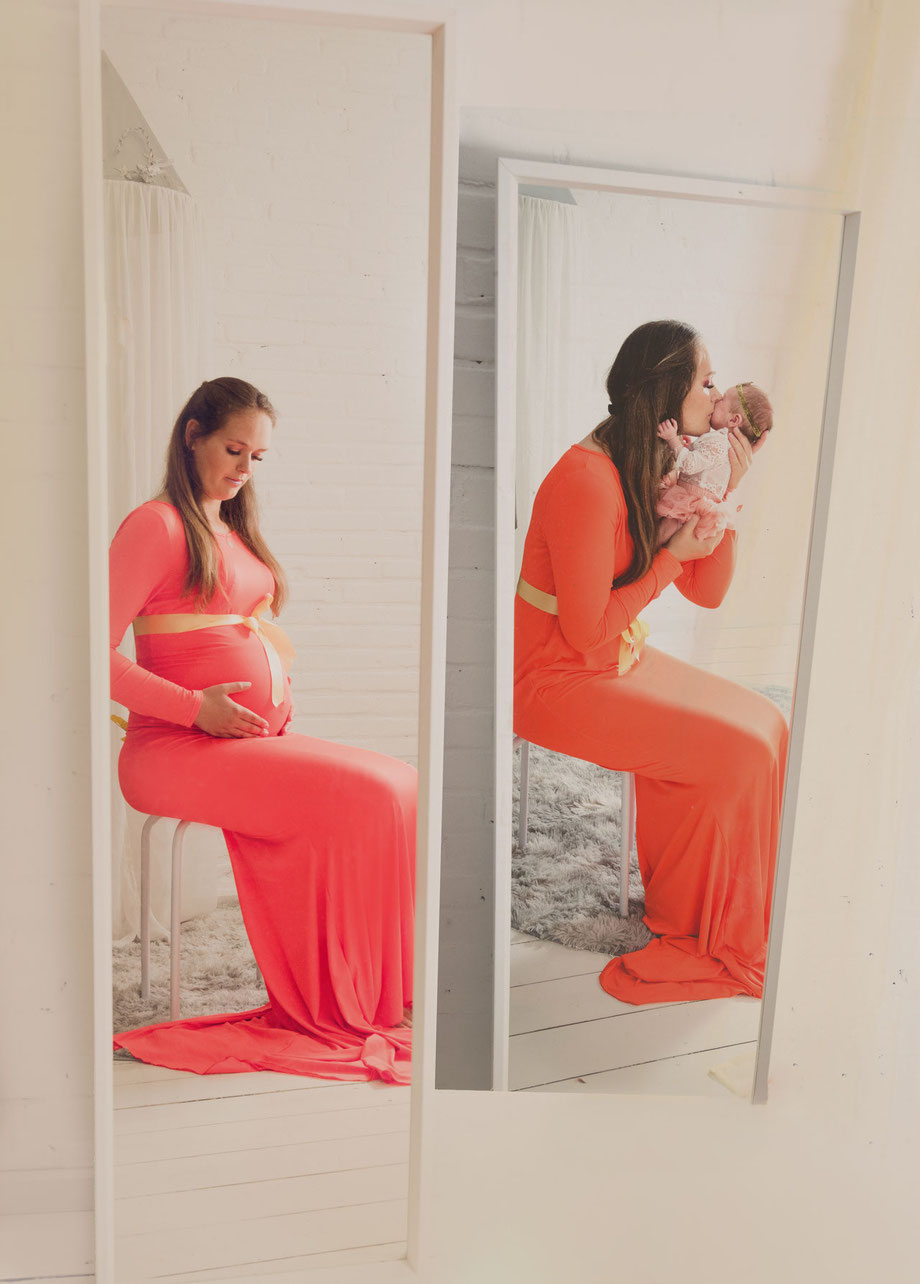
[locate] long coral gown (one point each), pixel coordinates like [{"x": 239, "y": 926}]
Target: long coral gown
[
  {"x": 321, "y": 836},
  {"x": 708, "y": 755}
]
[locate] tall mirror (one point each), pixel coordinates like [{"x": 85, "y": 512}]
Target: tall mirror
[
  {"x": 639, "y": 814},
  {"x": 266, "y": 224}
]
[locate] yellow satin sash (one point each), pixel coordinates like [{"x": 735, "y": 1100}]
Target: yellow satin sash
[
  {"x": 275, "y": 642},
  {"x": 632, "y": 639}
]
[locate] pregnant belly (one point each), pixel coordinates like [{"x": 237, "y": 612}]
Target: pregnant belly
[{"x": 206, "y": 657}]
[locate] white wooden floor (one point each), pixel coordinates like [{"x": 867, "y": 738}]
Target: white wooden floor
[
  {"x": 245, "y": 1176},
  {"x": 569, "y": 1035}
]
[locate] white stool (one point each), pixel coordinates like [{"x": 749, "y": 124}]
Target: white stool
[
  {"x": 627, "y": 818},
  {"x": 175, "y": 906}
]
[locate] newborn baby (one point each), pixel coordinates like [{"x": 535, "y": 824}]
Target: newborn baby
[{"x": 702, "y": 466}]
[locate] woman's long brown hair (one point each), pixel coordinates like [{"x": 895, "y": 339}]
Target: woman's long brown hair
[
  {"x": 210, "y": 405},
  {"x": 652, "y": 374}
]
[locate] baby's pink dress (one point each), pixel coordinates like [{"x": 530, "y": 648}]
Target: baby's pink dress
[{"x": 703, "y": 472}]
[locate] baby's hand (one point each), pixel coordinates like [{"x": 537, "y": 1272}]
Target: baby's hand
[{"x": 667, "y": 431}]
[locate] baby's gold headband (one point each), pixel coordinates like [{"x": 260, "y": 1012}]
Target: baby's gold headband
[{"x": 747, "y": 412}]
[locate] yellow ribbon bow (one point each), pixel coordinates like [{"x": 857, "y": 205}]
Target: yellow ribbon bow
[
  {"x": 632, "y": 640},
  {"x": 275, "y": 642}
]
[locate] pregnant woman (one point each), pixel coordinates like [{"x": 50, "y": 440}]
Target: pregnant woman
[
  {"x": 708, "y": 755},
  {"x": 321, "y": 836}
]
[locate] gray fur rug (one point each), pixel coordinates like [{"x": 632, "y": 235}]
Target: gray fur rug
[
  {"x": 566, "y": 887},
  {"x": 217, "y": 969}
]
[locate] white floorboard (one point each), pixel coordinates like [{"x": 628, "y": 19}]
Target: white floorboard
[
  {"x": 246, "y": 1201},
  {"x": 251, "y": 1164},
  {"x": 675, "y": 1077},
  {"x": 649, "y": 1035},
  {"x": 173, "y": 1086},
  {"x": 265, "y": 1105},
  {"x": 566, "y": 1001},
  {"x": 247, "y": 1134},
  {"x": 326, "y": 1263},
  {"x": 243, "y": 1176},
  {"x": 566, "y": 1028},
  {"x": 533, "y": 960}
]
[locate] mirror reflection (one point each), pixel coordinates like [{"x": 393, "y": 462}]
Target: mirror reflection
[
  {"x": 266, "y": 207},
  {"x": 665, "y": 473}
]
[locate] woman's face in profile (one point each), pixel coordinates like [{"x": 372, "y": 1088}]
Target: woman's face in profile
[
  {"x": 699, "y": 401},
  {"x": 226, "y": 459}
]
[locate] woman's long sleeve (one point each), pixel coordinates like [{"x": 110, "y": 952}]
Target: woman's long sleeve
[
  {"x": 139, "y": 555},
  {"x": 583, "y": 530},
  {"x": 706, "y": 581}
]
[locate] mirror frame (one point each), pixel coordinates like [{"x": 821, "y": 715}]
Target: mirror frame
[
  {"x": 438, "y": 23},
  {"x": 512, "y": 174}
]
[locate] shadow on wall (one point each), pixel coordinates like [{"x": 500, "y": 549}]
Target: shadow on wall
[{"x": 465, "y": 970}]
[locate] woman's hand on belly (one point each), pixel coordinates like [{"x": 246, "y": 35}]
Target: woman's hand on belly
[{"x": 221, "y": 716}]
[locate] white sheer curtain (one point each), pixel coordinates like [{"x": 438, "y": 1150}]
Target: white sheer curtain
[
  {"x": 157, "y": 356},
  {"x": 548, "y": 233}
]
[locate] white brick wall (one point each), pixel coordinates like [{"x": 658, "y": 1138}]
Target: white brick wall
[{"x": 307, "y": 150}]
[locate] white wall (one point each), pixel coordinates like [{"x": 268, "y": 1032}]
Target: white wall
[
  {"x": 307, "y": 151},
  {"x": 535, "y": 1186},
  {"x": 758, "y": 92},
  {"x": 46, "y": 1119}
]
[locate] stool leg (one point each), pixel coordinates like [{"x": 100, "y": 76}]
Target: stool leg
[
  {"x": 525, "y": 787},
  {"x": 175, "y": 906},
  {"x": 145, "y": 905},
  {"x": 627, "y": 828}
]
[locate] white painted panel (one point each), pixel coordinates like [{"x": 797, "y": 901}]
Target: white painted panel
[
  {"x": 51, "y": 1244},
  {"x": 314, "y": 1262},
  {"x": 68, "y": 1190},
  {"x": 210, "y": 1247},
  {"x": 46, "y": 1132}
]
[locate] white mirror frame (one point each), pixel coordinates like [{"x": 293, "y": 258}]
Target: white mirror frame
[
  {"x": 437, "y": 22},
  {"x": 512, "y": 174}
]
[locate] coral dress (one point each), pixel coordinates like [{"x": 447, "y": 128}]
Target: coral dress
[
  {"x": 708, "y": 755},
  {"x": 321, "y": 836}
]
